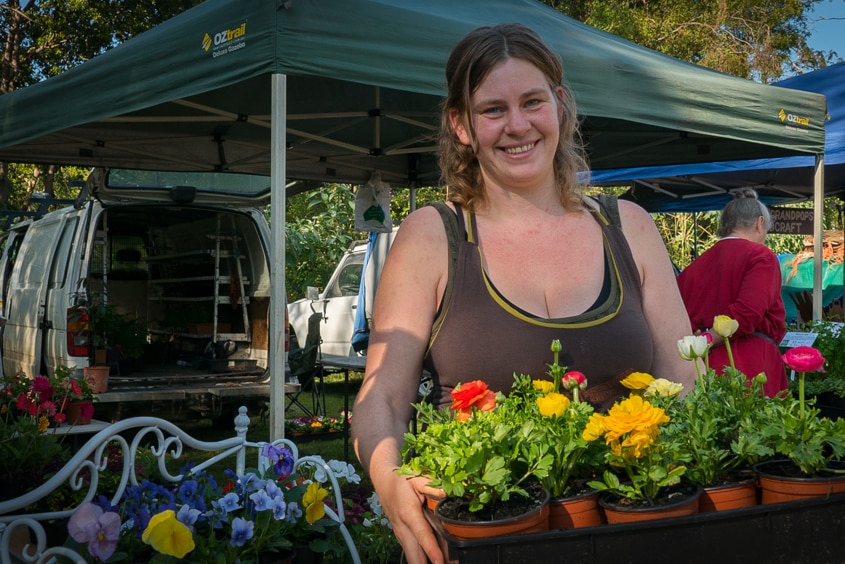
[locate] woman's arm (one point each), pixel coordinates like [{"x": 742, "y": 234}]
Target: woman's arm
[
  {"x": 409, "y": 291},
  {"x": 664, "y": 309}
]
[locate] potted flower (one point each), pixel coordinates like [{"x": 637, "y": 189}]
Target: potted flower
[
  {"x": 246, "y": 519},
  {"x": 706, "y": 425},
  {"x": 827, "y": 386},
  {"x": 486, "y": 456},
  {"x": 74, "y": 396},
  {"x": 28, "y": 452},
  {"x": 555, "y": 407},
  {"x": 806, "y": 450},
  {"x": 644, "y": 479}
]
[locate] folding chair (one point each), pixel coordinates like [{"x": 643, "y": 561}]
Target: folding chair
[{"x": 306, "y": 367}]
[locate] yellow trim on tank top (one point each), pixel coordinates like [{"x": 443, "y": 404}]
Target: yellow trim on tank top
[{"x": 550, "y": 323}]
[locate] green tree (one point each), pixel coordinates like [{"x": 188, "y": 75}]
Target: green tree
[
  {"x": 43, "y": 38},
  {"x": 759, "y": 39}
]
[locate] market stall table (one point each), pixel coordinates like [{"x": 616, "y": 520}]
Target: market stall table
[{"x": 345, "y": 364}]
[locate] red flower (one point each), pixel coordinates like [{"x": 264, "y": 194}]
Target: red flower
[
  {"x": 41, "y": 386},
  {"x": 574, "y": 379},
  {"x": 86, "y": 410},
  {"x": 804, "y": 359},
  {"x": 472, "y": 394}
]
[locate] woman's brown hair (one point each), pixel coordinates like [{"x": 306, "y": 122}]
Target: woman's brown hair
[{"x": 471, "y": 61}]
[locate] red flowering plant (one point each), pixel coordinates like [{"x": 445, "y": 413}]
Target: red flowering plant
[
  {"x": 29, "y": 452},
  {"x": 483, "y": 449}
]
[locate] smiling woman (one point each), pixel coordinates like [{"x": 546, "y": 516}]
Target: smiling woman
[{"x": 450, "y": 299}]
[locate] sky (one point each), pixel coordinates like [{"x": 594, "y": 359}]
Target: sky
[{"x": 828, "y": 34}]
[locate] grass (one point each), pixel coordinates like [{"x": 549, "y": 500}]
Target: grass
[{"x": 329, "y": 448}]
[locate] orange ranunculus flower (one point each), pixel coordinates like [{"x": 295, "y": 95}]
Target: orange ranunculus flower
[
  {"x": 544, "y": 386},
  {"x": 553, "y": 404},
  {"x": 637, "y": 381},
  {"x": 473, "y": 394}
]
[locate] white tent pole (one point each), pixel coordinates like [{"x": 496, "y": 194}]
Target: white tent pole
[
  {"x": 818, "y": 235},
  {"x": 278, "y": 293}
]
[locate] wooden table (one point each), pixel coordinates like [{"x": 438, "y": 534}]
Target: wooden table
[{"x": 345, "y": 364}]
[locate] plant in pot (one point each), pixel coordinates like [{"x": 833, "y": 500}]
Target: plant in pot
[
  {"x": 486, "y": 456},
  {"x": 706, "y": 425},
  {"x": 73, "y": 396},
  {"x": 803, "y": 448},
  {"x": 645, "y": 466},
  {"x": 29, "y": 452},
  {"x": 112, "y": 330},
  {"x": 828, "y": 386},
  {"x": 561, "y": 422}
]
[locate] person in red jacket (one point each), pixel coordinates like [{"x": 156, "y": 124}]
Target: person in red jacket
[{"x": 740, "y": 277}]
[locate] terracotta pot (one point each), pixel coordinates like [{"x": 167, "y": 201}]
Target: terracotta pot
[
  {"x": 73, "y": 412},
  {"x": 533, "y": 521},
  {"x": 575, "y": 512},
  {"x": 777, "y": 488},
  {"x": 431, "y": 501},
  {"x": 616, "y": 513},
  {"x": 97, "y": 378},
  {"x": 728, "y": 496}
]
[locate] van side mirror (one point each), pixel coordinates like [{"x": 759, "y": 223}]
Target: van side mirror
[{"x": 312, "y": 293}]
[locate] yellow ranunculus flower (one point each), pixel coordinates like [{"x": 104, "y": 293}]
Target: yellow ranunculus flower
[
  {"x": 725, "y": 326},
  {"x": 545, "y": 386},
  {"x": 637, "y": 381},
  {"x": 663, "y": 388},
  {"x": 312, "y": 499},
  {"x": 168, "y": 535},
  {"x": 43, "y": 424},
  {"x": 633, "y": 415},
  {"x": 553, "y": 404},
  {"x": 594, "y": 428}
]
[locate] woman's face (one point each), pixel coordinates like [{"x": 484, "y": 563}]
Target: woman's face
[{"x": 516, "y": 115}]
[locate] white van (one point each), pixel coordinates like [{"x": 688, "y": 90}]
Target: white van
[
  {"x": 338, "y": 302},
  {"x": 170, "y": 279}
]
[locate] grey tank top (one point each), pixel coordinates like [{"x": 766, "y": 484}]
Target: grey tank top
[{"x": 479, "y": 335}]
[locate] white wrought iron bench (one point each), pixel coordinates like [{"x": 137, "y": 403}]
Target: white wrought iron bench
[{"x": 166, "y": 441}]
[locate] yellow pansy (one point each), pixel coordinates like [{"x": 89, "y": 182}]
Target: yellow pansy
[
  {"x": 553, "y": 404},
  {"x": 168, "y": 535},
  {"x": 637, "y": 381},
  {"x": 312, "y": 499}
]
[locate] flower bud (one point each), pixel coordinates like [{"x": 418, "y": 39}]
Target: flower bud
[
  {"x": 725, "y": 326},
  {"x": 692, "y": 347},
  {"x": 556, "y": 346},
  {"x": 574, "y": 379}
]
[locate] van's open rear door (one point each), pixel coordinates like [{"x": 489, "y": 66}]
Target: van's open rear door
[{"x": 27, "y": 293}]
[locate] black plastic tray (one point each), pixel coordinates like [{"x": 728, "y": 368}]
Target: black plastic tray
[{"x": 810, "y": 531}]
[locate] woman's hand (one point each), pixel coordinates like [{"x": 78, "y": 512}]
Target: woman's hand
[{"x": 402, "y": 499}]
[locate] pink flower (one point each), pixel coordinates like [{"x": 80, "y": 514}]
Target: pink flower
[
  {"x": 86, "y": 410},
  {"x": 41, "y": 386},
  {"x": 100, "y": 530},
  {"x": 804, "y": 359},
  {"x": 574, "y": 379}
]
